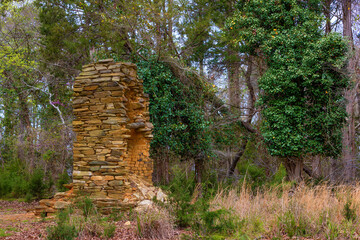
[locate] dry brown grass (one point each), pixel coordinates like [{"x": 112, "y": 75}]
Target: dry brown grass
[
  {"x": 317, "y": 212},
  {"x": 155, "y": 223}
]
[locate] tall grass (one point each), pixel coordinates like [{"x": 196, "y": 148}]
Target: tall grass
[{"x": 323, "y": 211}]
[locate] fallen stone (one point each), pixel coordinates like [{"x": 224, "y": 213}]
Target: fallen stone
[
  {"x": 61, "y": 205},
  {"x": 160, "y": 196},
  {"x": 106, "y": 60}
]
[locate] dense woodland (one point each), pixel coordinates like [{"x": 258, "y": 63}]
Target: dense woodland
[{"x": 243, "y": 94}]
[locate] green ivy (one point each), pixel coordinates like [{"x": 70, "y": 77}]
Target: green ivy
[
  {"x": 176, "y": 110},
  {"x": 302, "y": 102}
]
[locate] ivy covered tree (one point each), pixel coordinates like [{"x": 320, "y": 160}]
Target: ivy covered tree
[
  {"x": 180, "y": 127},
  {"x": 301, "y": 100}
]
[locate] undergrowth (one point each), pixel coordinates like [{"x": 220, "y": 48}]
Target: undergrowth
[
  {"x": 17, "y": 182},
  {"x": 276, "y": 210},
  {"x": 82, "y": 220}
]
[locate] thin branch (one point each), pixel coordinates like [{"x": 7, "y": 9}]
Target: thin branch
[{"x": 50, "y": 100}]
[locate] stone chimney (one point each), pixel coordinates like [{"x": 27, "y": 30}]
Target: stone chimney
[{"x": 113, "y": 133}]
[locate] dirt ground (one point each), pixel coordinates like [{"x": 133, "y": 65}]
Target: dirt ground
[{"x": 18, "y": 222}]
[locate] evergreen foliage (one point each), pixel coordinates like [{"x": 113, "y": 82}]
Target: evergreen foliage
[
  {"x": 176, "y": 112},
  {"x": 302, "y": 102},
  {"x": 64, "y": 178},
  {"x": 13, "y": 181},
  {"x": 17, "y": 182},
  {"x": 63, "y": 230},
  {"x": 37, "y": 185}
]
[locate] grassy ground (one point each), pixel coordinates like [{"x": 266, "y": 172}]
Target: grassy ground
[
  {"x": 319, "y": 212},
  {"x": 17, "y": 222},
  {"x": 282, "y": 212}
]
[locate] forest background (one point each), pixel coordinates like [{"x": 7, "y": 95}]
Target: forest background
[{"x": 255, "y": 92}]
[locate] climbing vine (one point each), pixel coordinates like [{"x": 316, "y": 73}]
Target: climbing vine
[
  {"x": 302, "y": 102},
  {"x": 175, "y": 110}
]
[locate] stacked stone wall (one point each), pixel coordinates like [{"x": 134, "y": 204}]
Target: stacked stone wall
[
  {"x": 113, "y": 131},
  {"x": 113, "y": 134}
]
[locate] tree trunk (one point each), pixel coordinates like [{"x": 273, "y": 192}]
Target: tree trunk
[
  {"x": 251, "y": 106},
  {"x": 201, "y": 66},
  {"x": 349, "y": 147},
  {"x": 161, "y": 168},
  {"x": 233, "y": 69},
  {"x": 252, "y": 97},
  {"x": 158, "y": 20},
  {"x": 316, "y": 167},
  {"x": 294, "y": 168},
  {"x": 326, "y": 8},
  {"x": 237, "y": 157},
  {"x": 24, "y": 115},
  {"x": 169, "y": 21},
  {"x": 199, "y": 169},
  {"x": 348, "y": 142},
  {"x": 347, "y": 24}
]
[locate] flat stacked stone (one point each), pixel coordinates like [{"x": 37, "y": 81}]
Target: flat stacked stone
[
  {"x": 113, "y": 131},
  {"x": 113, "y": 134}
]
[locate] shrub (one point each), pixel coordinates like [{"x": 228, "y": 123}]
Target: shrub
[
  {"x": 28, "y": 198},
  {"x": 63, "y": 230},
  {"x": 155, "y": 223},
  {"x": 19, "y": 186},
  {"x": 17, "y": 181},
  {"x": 13, "y": 180},
  {"x": 220, "y": 221},
  {"x": 291, "y": 225},
  {"x": 87, "y": 206},
  {"x": 181, "y": 191},
  {"x": 63, "y": 179},
  {"x": 109, "y": 231},
  {"x": 189, "y": 199},
  {"x": 91, "y": 228},
  {"x": 252, "y": 174},
  {"x": 279, "y": 176},
  {"x": 37, "y": 185},
  {"x": 348, "y": 212}
]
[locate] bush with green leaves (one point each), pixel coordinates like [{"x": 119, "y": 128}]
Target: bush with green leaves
[
  {"x": 13, "y": 180},
  {"x": 86, "y": 205},
  {"x": 279, "y": 176},
  {"x": 64, "y": 178},
  {"x": 252, "y": 174},
  {"x": 349, "y": 211},
  {"x": 63, "y": 230},
  {"x": 219, "y": 221},
  {"x": 16, "y": 181},
  {"x": 37, "y": 184},
  {"x": 181, "y": 190},
  {"x": 190, "y": 206}
]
